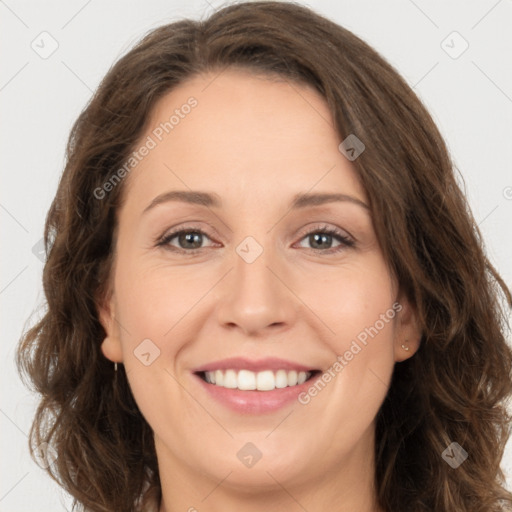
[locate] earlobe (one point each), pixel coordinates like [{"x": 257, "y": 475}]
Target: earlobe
[
  {"x": 408, "y": 334},
  {"x": 111, "y": 345},
  {"x": 407, "y": 349},
  {"x": 111, "y": 349}
]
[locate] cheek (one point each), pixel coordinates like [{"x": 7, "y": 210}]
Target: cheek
[
  {"x": 357, "y": 304},
  {"x": 147, "y": 308},
  {"x": 151, "y": 302},
  {"x": 350, "y": 299},
  {"x": 339, "y": 307},
  {"x": 158, "y": 302}
]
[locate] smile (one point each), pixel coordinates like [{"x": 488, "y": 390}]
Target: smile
[
  {"x": 250, "y": 386},
  {"x": 247, "y": 380}
]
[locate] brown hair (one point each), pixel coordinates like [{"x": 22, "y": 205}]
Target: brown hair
[{"x": 453, "y": 389}]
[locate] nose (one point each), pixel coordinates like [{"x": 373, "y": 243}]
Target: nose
[{"x": 256, "y": 297}]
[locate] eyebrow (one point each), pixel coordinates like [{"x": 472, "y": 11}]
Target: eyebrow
[{"x": 213, "y": 200}]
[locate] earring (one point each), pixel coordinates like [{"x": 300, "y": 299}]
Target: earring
[
  {"x": 115, "y": 367},
  {"x": 404, "y": 347}
]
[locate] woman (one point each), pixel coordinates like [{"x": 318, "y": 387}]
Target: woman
[{"x": 257, "y": 368}]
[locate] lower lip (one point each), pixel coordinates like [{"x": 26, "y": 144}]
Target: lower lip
[{"x": 255, "y": 402}]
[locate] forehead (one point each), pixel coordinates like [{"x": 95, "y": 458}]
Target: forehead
[{"x": 245, "y": 136}]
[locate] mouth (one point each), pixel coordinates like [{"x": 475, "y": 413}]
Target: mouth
[
  {"x": 249, "y": 386},
  {"x": 247, "y": 380}
]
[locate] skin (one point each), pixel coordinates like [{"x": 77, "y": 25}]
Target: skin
[{"x": 256, "y": 142}]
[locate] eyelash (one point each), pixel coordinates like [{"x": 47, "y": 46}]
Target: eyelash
[{"x": 345, "y": 241}]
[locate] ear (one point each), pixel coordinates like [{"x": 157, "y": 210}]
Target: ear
[
  {"x": 111, "y": 345},
  {"x": 408, "y": 333}
]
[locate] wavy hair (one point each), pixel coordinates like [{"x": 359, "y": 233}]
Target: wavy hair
[{"x": 454, "y": 389}]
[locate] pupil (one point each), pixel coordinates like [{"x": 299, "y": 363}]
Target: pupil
[
  {"x": 318, "y": 238},
  {"x": 189, "y": 238}
]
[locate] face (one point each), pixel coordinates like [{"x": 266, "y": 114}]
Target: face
[{"x": 256, "y": 285}]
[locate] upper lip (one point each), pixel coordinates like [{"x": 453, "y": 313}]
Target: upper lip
[{"x": 242, "y": 363}]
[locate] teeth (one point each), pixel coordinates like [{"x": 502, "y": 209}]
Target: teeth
[
  {"x": 281, "y": 379},
  {"x": 301, "y": 378},
  {"x": 246, "y": 380},
  {"x": 265, "y": 381},
  {"x": 230, "y": 379}
]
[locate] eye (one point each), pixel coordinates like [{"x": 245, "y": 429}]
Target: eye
[
  {"x": 190, "y": 240},
  {"x": 324, "y": 235}
]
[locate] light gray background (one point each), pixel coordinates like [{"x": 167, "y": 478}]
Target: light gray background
[{"x": 470, "y": 98}]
